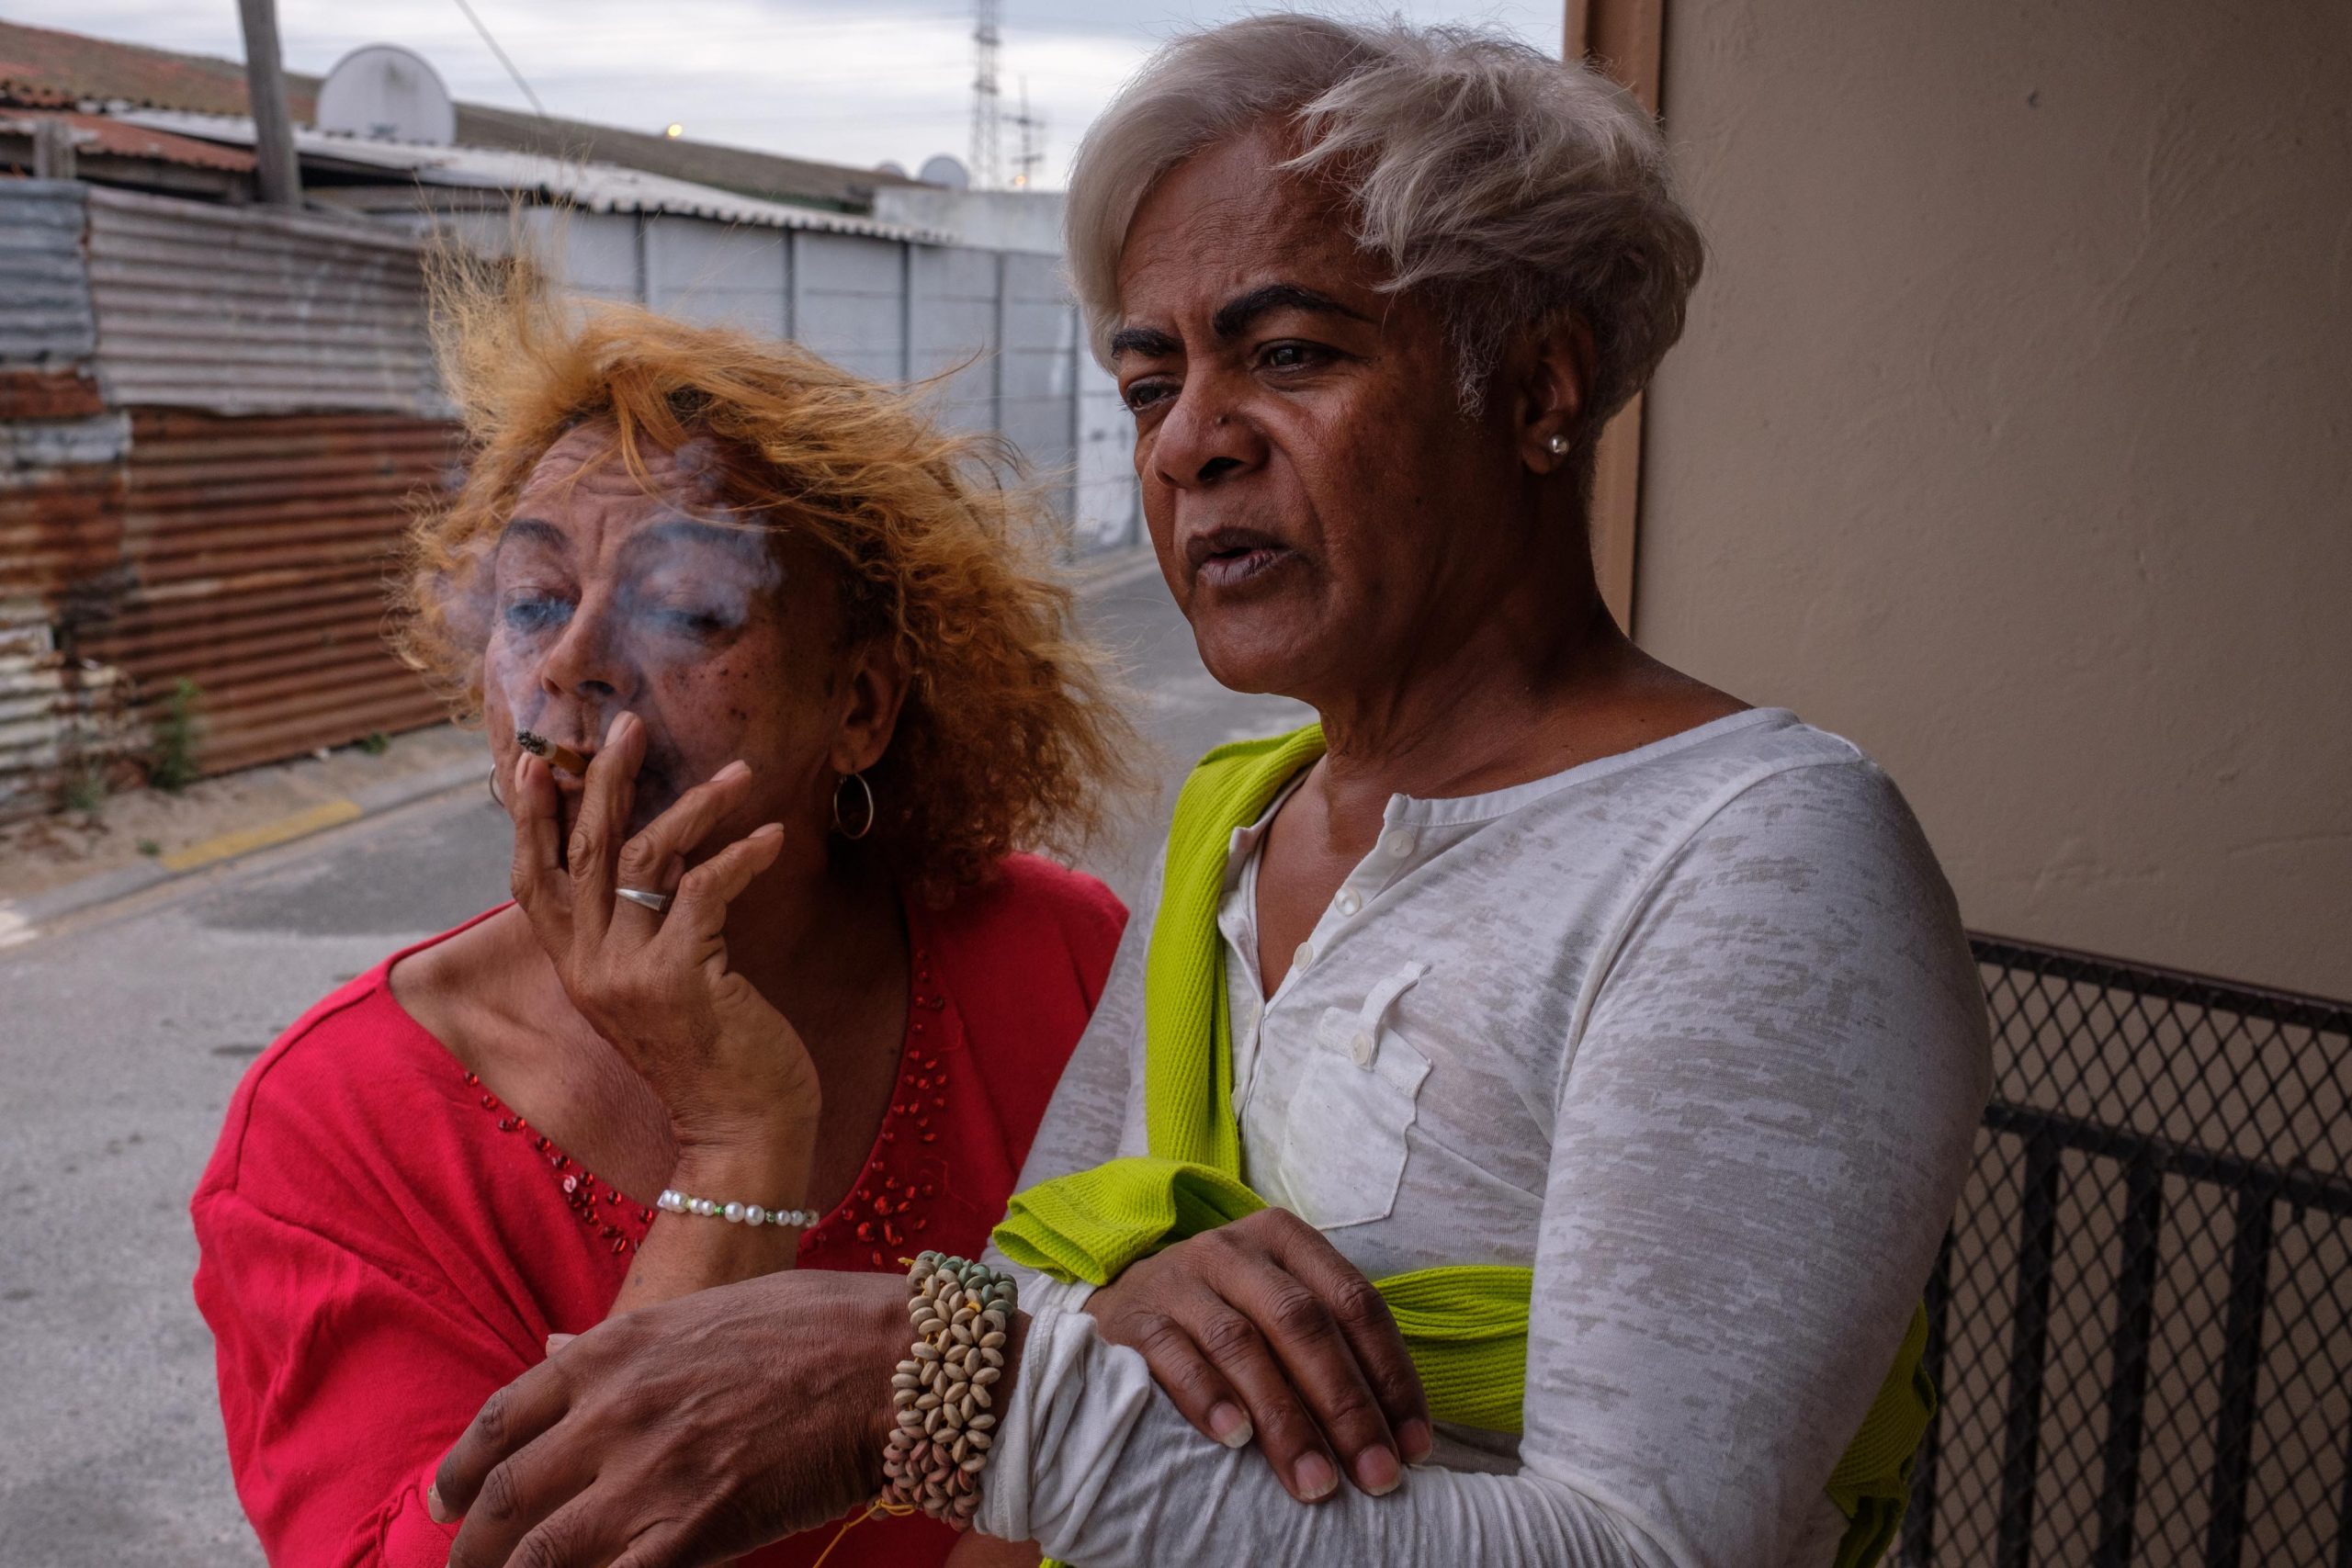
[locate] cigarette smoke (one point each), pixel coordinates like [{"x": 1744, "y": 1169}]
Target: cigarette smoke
[{"x": 565, "y": 645}]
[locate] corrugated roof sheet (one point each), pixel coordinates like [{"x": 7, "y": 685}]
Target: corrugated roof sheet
[
  {"x": 98, "y": 133},
  {"x": 595, "y": 187},
  {"x": 42, "y": 65}
]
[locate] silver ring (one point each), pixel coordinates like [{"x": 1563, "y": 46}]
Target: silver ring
[{"x": 657, "y": 902}]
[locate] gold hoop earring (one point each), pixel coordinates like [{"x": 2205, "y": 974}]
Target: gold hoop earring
[{"x": 865, "y": 826}]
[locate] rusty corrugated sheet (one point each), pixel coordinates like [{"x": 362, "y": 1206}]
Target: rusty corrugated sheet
[
  {"x": 254, "y": 561},
  {"x": 61, "y": 510},
  {"x": 247, "y": 310},
  {"x": 100, "y": 135},
  {"x": 61, "y": 488},
  {"x": 174, "y": 505}
]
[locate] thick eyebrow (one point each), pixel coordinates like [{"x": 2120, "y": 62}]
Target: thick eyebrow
[
  {"x": 1233, "y": 318},
  {"x": 1150, "y": 342}
]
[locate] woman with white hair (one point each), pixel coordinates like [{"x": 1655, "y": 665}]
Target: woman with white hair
[{"x": 1546, "y": 1072}]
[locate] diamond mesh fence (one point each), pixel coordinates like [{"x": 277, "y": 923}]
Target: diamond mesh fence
[{"x": 2142, "y": 1319}]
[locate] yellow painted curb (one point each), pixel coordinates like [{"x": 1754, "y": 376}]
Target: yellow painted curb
[{"x": 227, "y": 846}]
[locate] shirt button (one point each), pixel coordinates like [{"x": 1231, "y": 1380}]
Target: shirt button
[
  {"x": 1362, "y": 1045},
  {"x": 1349, "y": 902},
  {"x": 1398, "y": 844},
  {"x": 1304, "y": 956}
]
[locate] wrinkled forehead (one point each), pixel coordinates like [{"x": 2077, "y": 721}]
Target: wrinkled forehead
[
  {"x": 582, "y": 505},
  {"x": 1229, "y": 218},
  {"x": 586, "y": 460}
]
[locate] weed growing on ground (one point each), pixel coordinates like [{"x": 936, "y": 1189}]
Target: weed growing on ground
[
  {"x": 173, "y": 767},
  {"x": 86, "y": 791}
]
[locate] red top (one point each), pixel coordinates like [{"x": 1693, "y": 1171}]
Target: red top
[{"x": 384, "y": 1245}]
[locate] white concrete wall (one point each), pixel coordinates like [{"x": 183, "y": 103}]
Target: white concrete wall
[{"x": 997, "y": 327}]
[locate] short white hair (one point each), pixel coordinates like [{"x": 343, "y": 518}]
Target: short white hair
[{"x": 1510, "y": 188}]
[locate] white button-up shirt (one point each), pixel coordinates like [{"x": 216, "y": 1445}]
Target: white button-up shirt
[{"x": 1692, "y": 1032}]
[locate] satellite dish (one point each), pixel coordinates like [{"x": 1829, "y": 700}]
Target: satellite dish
[
  {"x": 385, "y": 93},
  {"x": 891, "y": 166},
  {"x": 942, "y": 170}
]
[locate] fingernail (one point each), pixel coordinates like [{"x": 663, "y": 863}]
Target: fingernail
[
  {"x": 1229, "y": 1425},
  {"x": 1315, "y": 1478},
  {"x": 1415, "y": 1438},
  {"x": 435, "y": 1507},
  {"x": 1377, "y": 1471},
  {"x": 768, "y": 831},
  {"x": 558, "y": 1341},
  {"x": 619, "y": 727},
  {"x": 738, "y": 769}
]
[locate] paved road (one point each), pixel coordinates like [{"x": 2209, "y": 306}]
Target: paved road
[{"x": 121, "y": 1040}]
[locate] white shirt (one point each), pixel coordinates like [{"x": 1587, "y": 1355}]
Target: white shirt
[{"x": 1692, "y": 1032}]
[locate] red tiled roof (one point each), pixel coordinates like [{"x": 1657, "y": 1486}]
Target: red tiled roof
[
  {"x": 97, "y": 134},
  {"x": 46, "y": 64}
]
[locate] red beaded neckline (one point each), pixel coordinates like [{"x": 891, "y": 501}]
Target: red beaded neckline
[
  {"x": 612, "y": 1216},
  {"x": 884, "y": 1207}
]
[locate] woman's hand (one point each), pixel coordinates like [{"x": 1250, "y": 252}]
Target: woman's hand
[
  {"x": 1261, "y": 1326},
  {"x": 729, "y": 1066},
  {"x": 685, "y": 1433}
]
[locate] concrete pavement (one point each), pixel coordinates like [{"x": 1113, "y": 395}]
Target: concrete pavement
[{"x": 123, "y": 1031}]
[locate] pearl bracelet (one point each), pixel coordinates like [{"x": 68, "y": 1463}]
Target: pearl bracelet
[
  {"x": 962, "y": 1312},
  {"x": 675, "y": 1203}
]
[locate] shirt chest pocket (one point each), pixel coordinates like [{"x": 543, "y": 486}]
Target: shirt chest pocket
[{"x": 1342, "y": 1154}]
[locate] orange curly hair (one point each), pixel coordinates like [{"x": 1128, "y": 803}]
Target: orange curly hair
[{"x": 1009, "y": 737}]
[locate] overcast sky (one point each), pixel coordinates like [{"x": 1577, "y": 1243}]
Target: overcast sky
[{"x": 849, "y": 81}]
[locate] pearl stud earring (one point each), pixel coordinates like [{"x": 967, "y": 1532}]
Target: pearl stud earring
[{"x": 1556, "y": 444}]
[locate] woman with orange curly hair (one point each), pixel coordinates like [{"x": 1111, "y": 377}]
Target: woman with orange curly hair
[{"x": 819, "y": 695}]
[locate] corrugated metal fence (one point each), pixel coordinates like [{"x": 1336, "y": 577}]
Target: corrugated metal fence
[
  {"x": 61, "y": 485},
  {"x": 214, "y": 421},
  {"x": 246, "y": 311}
]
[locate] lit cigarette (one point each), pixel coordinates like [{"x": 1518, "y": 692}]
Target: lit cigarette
[{"x": 555, "y": 755}]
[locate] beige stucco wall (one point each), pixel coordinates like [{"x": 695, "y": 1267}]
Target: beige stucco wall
[{"x": 2012, "y": 437}]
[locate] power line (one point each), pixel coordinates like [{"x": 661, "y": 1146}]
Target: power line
[{"x": 537, "y": 107}]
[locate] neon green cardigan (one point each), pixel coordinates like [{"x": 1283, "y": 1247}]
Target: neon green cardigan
[{"x": 1466, "y": 1325}]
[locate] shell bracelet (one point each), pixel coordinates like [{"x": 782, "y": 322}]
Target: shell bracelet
[{"x": 944, "y": 1390}]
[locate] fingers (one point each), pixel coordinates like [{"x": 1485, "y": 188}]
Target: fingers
[
  {"x": 1370, "y": 1329},
  {"x": 646, "y": 859},
  {"x": 1191, "y": 1383},
  {"x": 508, "y": 1420},
  {"x": 535, "y": 879},
  {"x": 698, "y": 915},
  {"x": 1286, "y": 1433},
  {"x": 573, "y": 1534},
  {"x": 1318, "y": 1359},
  {"x": 604, "y": 804}
]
